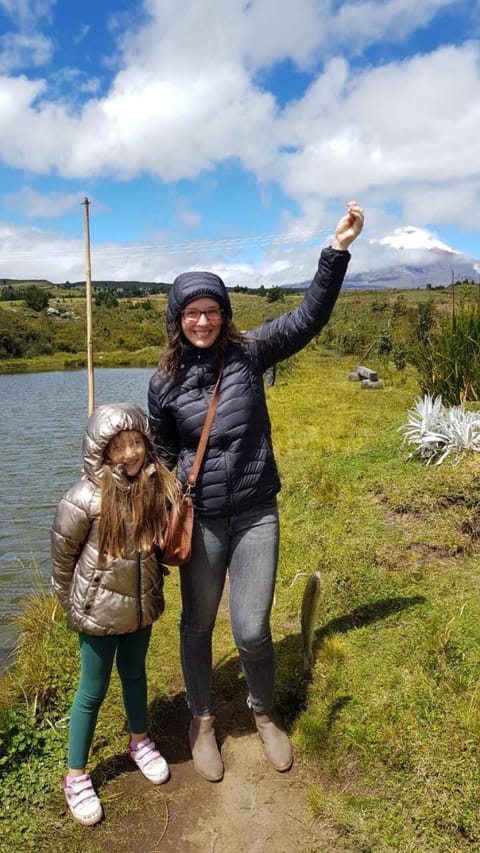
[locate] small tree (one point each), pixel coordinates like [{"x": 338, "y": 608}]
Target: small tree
[
  {"x": 385, "y": 341},
  {"x": 35, "y": 298},
  {"x": 399, "y": 355},
  {"x": 424, "y": 320},
  {"x": 275, "y": 294},
  {"x": 105, "y": 297}
]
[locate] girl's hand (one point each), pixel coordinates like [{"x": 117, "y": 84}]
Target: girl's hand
[{"x": 349, "y": 227}]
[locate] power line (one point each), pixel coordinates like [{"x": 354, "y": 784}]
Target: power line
[{"x": 170, "y": 248}]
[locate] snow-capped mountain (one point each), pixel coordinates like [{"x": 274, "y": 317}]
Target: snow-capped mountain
[
  {"x": 414, "y": 238},
  {"x": 413, "y": 257},
  {"x": 408, "y": 257}
]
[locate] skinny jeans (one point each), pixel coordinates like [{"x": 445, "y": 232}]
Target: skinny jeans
[
  {"x": 246, "y": 545},
  {"x": 97, "y": 654}
]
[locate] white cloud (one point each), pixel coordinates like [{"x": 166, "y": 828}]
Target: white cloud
[
  {"x": 258, "y": 34},
  {"x": 188, "y": 78},
  {"x": 362, "y": 23},
  {"x": 187, "y": 97},
  {"x": 35, "y": 252},
  {"x": 20, "y": 49},
  {"x": 446, "y": 203},
  {"x": 27, "y": 12},
  {"x": 22, "y": 247},
  {"x": 186, "y": 216},
  {"x": 82, "y": 33},
  {"x": 387, "y": 125},
  {"x": 33, "y": 204}
]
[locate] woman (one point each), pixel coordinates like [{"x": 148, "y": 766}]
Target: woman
[{"x": 236, "y": 518}]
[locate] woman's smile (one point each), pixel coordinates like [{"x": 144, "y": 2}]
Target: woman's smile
[{"x": 202, "y": 322}]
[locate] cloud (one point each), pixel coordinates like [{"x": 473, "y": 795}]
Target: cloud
[
  {"x": 33, "y": 204},
  {"x": 188, "y": 95},
  {"x": 449, "y": 202},
  {"x": 192, "y": 77},
  {"x": 363, "y": 23},
  {"x": 386, "y": 125},
  {"x": 27, "y": 15},
  {"x": 27, "y": 252},
  {"x": 20, "y": 49},
  {"x": 186, "y": 216},
  {"x": 82, "y": 33},
  {"x": 256, "y": 35},
  {"x": 22, "y": 247}
]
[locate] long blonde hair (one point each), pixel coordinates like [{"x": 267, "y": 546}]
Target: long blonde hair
[{"x": 136, "y": 509}]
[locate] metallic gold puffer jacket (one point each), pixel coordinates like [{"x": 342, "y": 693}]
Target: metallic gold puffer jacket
[{"x": 127, "y": 593}]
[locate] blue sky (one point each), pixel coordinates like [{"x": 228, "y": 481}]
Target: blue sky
[{"x": 229, "y": 135}]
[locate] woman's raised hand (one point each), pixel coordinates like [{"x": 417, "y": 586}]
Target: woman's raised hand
[{"x": 348, "y": 227}]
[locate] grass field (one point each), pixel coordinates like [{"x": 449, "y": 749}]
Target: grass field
[{"x": 387, "y": 723}]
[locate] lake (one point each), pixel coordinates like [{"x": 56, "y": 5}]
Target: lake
[{"x": 41, "y": 429}]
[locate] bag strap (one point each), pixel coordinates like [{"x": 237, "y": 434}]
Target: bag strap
[{"x": 202, "y": 444}]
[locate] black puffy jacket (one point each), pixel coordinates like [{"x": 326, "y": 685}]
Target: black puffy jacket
[{"x": 239, "y": 467}]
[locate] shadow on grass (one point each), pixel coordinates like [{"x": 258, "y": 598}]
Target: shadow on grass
[
  {"x": 169, "y": 716},
  {"x": 366, "y": 614}
]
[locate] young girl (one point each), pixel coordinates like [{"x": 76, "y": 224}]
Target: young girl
[{"x": 106, "y": 539}]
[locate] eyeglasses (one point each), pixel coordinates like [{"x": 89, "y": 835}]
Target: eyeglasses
[{"x": 192, "y": 315}]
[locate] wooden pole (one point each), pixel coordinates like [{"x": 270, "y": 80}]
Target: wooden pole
[{"x": 88, "y": 294}]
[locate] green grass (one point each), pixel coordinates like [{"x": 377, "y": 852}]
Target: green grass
[
  {"x": 388, "y": 723},
  {"x": 131, "y": 334}
]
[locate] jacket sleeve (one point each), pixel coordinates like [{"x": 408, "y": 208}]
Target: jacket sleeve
[
  {"x": 289, "y": 333},
  {"x": 68, "y": 535},
  {"x": 162, "y": 424}
]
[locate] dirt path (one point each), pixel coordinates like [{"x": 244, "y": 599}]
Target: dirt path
[{"x": 253, "y": 810}]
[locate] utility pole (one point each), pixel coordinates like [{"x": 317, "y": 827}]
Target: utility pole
[{"x": 88, "y": 294}]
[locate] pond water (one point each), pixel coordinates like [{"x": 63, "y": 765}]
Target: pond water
[{"x": 43, "y": 417}]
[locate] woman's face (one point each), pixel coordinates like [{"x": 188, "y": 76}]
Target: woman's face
[
  {"x": 201, "y": 321},
  {"x": 127, "y": 449}
]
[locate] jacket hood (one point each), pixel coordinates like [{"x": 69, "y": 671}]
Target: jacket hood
[
  {"x": 193, "y": 285},
  {"x": 103, "y": 425}
]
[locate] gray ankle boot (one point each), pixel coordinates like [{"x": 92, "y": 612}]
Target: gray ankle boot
[
  {"x": 206, "y": 756},
  {"x": 276, "y": 742}
]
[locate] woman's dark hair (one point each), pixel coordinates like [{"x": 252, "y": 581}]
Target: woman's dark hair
[{"x": 171, "y": 357}]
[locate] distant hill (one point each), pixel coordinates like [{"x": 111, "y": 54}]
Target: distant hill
[
  {"x": 412, "y": 258},
  {"x": 153, "y": 286},
  {"x": 441, "y": 266},
  {"x": 411, "y": 275}
]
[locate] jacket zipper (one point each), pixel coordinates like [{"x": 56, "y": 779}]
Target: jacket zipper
[{"x": 139, "y": 600}]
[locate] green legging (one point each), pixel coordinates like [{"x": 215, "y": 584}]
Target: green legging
[{"x": 96, "y": 658}]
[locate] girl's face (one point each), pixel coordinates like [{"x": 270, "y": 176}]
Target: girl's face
[
  {"x": 202, "y": 321},
  {"x": 128, "y": 449}
]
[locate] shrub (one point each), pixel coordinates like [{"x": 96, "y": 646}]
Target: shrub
[
  {"x": 449, "y": 363},
  {"x": 436, "y": 431},
  {"x": 399, "y": 356},
  {"x": 35, "y": 298},
  {"x": 425, "y": 320},
  {"x": 385, "y": 341}
]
